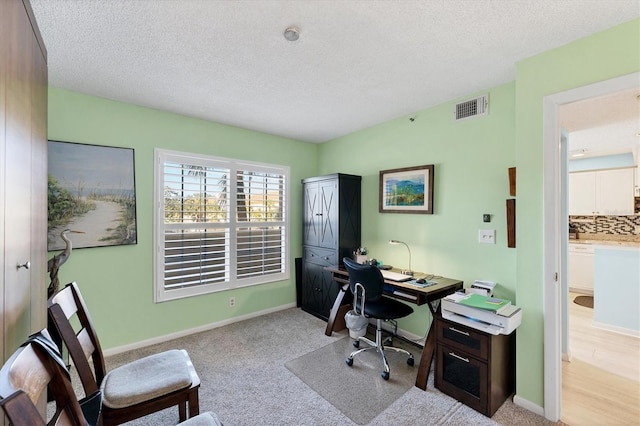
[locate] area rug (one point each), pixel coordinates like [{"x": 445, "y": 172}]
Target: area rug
[
  {"x": 359, "y": 391},
  {"x": 586, "y": 301}
]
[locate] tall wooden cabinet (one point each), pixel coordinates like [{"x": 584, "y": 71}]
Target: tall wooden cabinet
[
  {"x": 23, "y": 175},
  {"x": 331, "y": 231}
]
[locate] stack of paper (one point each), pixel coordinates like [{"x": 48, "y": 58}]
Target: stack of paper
[{"x": 484, "y": 302}]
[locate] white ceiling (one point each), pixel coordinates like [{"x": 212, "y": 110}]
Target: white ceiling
[
  {"x": 604, "y": 125},
  {"x": 356, "y": 64}
]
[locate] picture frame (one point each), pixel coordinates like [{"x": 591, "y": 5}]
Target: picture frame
[
  {"x": 92, "y": 194},
  {"x": 407, "y": 190}
]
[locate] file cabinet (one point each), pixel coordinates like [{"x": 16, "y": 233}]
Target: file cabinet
[{"x": 474, "y": 367}]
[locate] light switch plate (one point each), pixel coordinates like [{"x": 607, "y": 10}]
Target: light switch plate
[{"x": 487, "y": 236}]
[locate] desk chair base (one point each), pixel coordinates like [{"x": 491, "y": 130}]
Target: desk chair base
[{"x": 380, "y": 348}]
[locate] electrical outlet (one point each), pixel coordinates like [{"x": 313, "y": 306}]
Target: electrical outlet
[
  {"x": 487, "y": 236},
  {"x": 232, "y": 302}
]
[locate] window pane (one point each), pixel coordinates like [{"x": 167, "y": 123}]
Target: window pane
[
  {"x": 195, "y": 194},
  {"x": 195, "y": 257},
  {"x": 260, "y": 196},
  {"x": 260, "y": 251}
]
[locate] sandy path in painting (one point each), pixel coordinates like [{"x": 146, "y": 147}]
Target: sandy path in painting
[{"x": 95, "y": 225}]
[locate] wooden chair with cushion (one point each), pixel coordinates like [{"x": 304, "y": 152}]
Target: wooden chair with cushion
[
  {"x": 134, "y": 390},
  {"x": 37, "y": 366},
  {"x": 20, "y": 410},
  {"x": 24, "y": 379}
]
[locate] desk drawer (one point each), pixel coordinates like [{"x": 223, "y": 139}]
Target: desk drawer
[
  {"x": 462, "y": 377},
  {"x": 463, "y": 338},
  {"x": 320, "y": 257}
]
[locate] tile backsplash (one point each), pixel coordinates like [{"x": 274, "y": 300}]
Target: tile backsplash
[{"x": 614, "y": 226}]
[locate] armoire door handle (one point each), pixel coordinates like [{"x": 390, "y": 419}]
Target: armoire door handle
[{"x": 25, "y": 265}]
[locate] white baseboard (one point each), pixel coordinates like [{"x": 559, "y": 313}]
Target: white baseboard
[
  {"x": 182, "y": 333},
  {"x": 616, "y": 329},
  {"x": 528, "y": 405},
  {"x": 420, "y": 340}
]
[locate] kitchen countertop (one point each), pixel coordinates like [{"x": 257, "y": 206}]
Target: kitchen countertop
[{"x": 607, "y": 243}]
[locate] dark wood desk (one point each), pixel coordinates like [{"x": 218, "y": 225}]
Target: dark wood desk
[{"x": 429, "y": 295}]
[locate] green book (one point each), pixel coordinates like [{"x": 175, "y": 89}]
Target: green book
[{"x": 484, "y": 302}]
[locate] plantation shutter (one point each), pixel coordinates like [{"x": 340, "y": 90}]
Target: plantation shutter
[
  {"x": 220, "y": 224},
  {"x": 196, "y": 225},
  {"x": 260, "y": 220}
]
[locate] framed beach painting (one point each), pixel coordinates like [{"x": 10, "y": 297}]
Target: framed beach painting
[
  {"x": 407, "y": 190},
  {"x": 92, "y": 194}
]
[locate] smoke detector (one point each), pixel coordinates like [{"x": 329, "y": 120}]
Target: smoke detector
[{"x": 292, "y": 33}]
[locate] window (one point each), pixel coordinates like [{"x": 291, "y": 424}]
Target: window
[{"x": 220, "y": 224}]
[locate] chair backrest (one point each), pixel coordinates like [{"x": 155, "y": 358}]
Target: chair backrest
[
  {"x": 24, "y": 379},
  {"x": 368, "y": 276},
  {"x": 20, "y": 410},
  {"x": 79, "y": 337}
]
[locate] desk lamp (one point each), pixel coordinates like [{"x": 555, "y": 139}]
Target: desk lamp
[{"x": 404, "y": 271}]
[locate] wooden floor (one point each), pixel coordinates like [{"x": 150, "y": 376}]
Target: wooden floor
[{"x": 601, "y": 384}]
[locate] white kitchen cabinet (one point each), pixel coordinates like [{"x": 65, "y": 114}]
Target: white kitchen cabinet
[
  {"x": 601, "y": 192},
  {"x": 582, "y": 193},
  {"x": 581, "y": 268}
]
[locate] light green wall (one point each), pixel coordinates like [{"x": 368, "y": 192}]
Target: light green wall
[
  {"x": 471, "y": 159},
  {"x": 602, "y": 56},
  {"x": 117, "y": 282}
]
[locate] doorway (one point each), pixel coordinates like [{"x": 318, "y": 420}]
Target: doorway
[{"x": 556, "y": 232}]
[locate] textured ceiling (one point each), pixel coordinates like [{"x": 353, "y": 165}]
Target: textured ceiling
[
  {"x": 605, "y": 124},
  {"x": 356, "y": 64}
]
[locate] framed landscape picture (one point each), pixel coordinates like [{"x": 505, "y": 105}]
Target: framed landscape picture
[
  {"x": 407, "y": 190},
  {"x": 92, "y": 194}
]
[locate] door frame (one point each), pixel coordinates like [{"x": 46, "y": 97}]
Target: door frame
[{"x": 554, "y": 240}]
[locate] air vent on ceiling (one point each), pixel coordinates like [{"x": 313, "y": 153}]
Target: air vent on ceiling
[{"x": 472, "y": 108}]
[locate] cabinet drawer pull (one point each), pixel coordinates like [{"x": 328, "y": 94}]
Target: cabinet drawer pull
[
  {"x": 326, "y": 258},
  {"x": 459, "y": 357},
  {"x": 459, "y": 331}
]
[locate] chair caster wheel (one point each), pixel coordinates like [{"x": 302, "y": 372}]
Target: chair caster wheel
[
  {"x": 356, "y": 343},
  {"x": 385, "y": 375},
  {"x": 410, "y": 361},
  {"x": 349, "y": 361}
]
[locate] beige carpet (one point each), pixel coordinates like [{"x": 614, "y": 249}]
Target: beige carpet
[
  {"x": 357, "y": 391},
  {"x": 245, "y": 380}
]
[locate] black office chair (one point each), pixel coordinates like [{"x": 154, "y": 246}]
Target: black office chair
[{"x": 375, "y": 306}]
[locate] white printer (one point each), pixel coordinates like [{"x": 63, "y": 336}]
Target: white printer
[{"x": 490, "y": 322}]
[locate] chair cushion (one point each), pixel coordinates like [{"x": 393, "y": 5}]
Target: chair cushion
[
  {"x": 146, "y": 378},
  {"x": 204, "y": 419},
  {"x": 386, "y": 308}
]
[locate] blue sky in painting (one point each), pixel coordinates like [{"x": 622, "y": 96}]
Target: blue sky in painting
[{"x": 91, "y": 166}]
